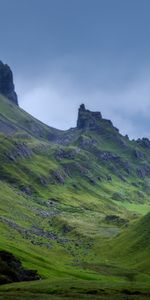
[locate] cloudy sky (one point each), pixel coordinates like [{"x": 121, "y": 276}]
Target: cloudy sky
[{"x": 67, "y": 52}]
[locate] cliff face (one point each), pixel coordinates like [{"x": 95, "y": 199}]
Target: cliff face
[
  {"x": 7, "y": 87},
  {"x": 87, "y": 119}
]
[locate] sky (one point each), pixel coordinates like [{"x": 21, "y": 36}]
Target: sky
[{"x": 67, "y": 52}]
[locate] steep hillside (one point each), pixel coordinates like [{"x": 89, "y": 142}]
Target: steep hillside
[
  {"x": 14, "y": 120},
  {"x": 134, "y": 244}
]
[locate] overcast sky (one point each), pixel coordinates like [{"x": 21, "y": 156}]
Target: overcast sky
[{"x": 65, "y": 52}]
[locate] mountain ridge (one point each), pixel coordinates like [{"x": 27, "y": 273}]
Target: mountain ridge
[{"x": 67, "y": 198}]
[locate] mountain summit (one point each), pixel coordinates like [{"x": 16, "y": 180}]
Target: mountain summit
[
  {"x": 87, "y": 119},
  {"x": 7, "y": 87}
]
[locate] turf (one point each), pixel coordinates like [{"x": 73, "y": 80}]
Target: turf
[{"x": 72, "y": 210}]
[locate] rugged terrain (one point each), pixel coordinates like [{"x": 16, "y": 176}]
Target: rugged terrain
[{"x": 74, "y": 206}]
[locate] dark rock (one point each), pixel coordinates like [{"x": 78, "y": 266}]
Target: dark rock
[
  {"x": 126, "y": 136},
  {"x": 122, "y": 178},
  {"x": 67, "y": 153},
  {"x": 40, "y": 232},
  {"x": 28, "y": 233},
  {"x": 91, "y": 180},
  {"x": 43, "y": 181},
  {"x": 108, "y": 156},
  {"x": 12, "y": 270},
  {"x": 6, "y": 127},
  {"x": 66, "y": 229},
  {"x": 27, "y": 190},
  {"x": 75, "y": 186},
  {"x": 126, "y": 167},
  {"x": 21, "y": 150},
  {"x": 85, "y": 141},
  {"x": 119, "y": 197},
  {"x": 144, "y": 142},
  {"x": 71, "y": 168},
  {"x": 115, "y": 219},
  {"x": 137, "y": 154},
  {"x": 52, "y": 202},
  {"x": 109, "y": 178},
  {"x": 143, "y": 171},
  {"x": 136, "y": 184},
  {"x": 59, "y": 177},
  {"x": 43, "y": 213},
  {"x": 6, "y": 83},
  {"x": 87, "y": 119}
]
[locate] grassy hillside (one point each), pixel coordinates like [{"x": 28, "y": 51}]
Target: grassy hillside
[
  {"x": 132, "y": 247},
  {"x": 67, "y": 199}
]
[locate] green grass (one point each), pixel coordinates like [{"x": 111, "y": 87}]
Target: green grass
[
  {"x": 137, "y": 208},
  {"x": 59, "y": 228}
]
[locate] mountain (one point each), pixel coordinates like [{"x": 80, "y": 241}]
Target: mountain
[
  {"x": 6, "y": 83},
  {"x": 67, "y": 199}
]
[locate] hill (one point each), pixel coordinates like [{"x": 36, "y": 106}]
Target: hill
[
  {"x": 134, "y": 244},
  {"x": 67, "y": 198}
]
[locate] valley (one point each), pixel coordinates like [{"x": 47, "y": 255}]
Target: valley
[{"x": 75, "y": 208}]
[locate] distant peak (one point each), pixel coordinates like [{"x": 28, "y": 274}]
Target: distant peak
[
  {"x": 7, "y": 87},
  {"x": 87, "y": 119},
  {"x": 82, "y": 107}
]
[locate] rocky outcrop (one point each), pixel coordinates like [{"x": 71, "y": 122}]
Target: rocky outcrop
[
  {"x": 115, "y": 220},
  {"x": 143, "y": 171},
  {"x": 67, "y": 153},
  {"x": 87, "y": 119},
  {"x": 20, "y": 150},
  {"x": 7, "y": 87},
  {"x": 12, "y": 270},
  {"x": 144, "y": 142}
]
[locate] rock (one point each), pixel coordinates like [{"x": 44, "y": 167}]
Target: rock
[
  {"x": 85, "y": 141},
  {"x": 41, "y": 232},
  {"x": 87, "y": 119},
  {"x": 43, "y": 181},
  {"x": 59, "y": 177},
  {"x": 21, "y": 150},
  {"x": 108, "y": 178},
  {"x": 126, "y": 166},
  {"x": 116, "y": 220},
  {"x": 118, "y": 197},
  {"x": 136, "y": 184},
  {"x": 106, "y": 155},
  {"x": 121, "y": 177},
  {"x": 141, "y": 172},
  {"x": 127, "y": 137},
  {"x": 27, "y": 190},
  {"x": 92, "y": 181},
  {"x": 67, "y": 153},
  {"x": 66, "y": 229},
  {"x": 7, "y": 87},
  {"x": 138, "y": 154},
  {"x": 144, "y": 142},
  {"x": 12, "y": 270},
  {"x": 6, "y": 127}
]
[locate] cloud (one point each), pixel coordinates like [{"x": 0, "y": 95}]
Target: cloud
[{"x": 55, "y": 98}]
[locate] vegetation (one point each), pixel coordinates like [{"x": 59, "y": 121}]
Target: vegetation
[{"x": 74, "y": 207}]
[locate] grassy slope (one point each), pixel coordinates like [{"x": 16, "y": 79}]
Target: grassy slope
[
  {"x": 64, "y": 211},
  {"x": 134, "y": 245}
]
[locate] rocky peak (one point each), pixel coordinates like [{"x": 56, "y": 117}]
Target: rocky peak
[
  {"x": 7, "y": 87},
  {"x": 87, "y": 119}
]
